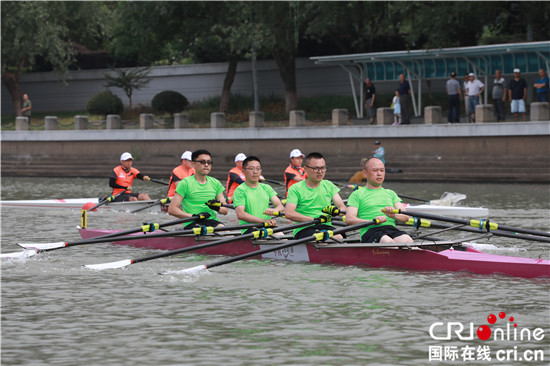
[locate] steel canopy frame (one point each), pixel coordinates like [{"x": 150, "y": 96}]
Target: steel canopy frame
[{"x": 437, "y": 64}]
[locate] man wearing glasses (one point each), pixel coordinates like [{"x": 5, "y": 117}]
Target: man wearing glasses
[
  {"x": 251, "y": 199},
  {"x": 307, "y": 199},
  {"x": 199, "y": 193}
]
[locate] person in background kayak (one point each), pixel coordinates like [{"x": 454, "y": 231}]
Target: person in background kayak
[
  {"x": 199, "y": 194},
  {"x": 294, "y": 173},
  {"x": 308, "y": 199},
  {"x": 122, "y": 178},
  {"x": 235, "y": 176},
  {"x": 251, "y": 199},
  {"x": 184, "y": 170},
  {"x": 376, "y": 202}
]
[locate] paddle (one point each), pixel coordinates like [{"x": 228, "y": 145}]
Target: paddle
[
  {"x": 417, "y": 222},
  {"x": 201, "y": 230},
  {"x": 258, "y": 234},
  {"x": 274, "y": 181},
  {"x": 36, "y": 247},
  {"x": 160, "y": 201},
  {"x": 322, "y": 236},
  {"x": 105, "y": 200},
  {"x": 480, "y": 224},
  {"x": 158, "y": 181}
]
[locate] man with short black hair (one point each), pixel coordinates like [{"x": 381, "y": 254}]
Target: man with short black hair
[
  {"x": 372, "y": 202},
  {"x": 454, "y": 96},
  {"x": 199, "y": 193},
  {"x": 517, "y": 92},
  {"x": 251, "y": 199},
  {"x": 307, "y": 199},
  {"x": 499, "y": 95}
]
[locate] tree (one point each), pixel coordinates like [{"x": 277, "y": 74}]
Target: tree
[
  {"x": 40, "y": 30},
  {"x": 129, "y": 80}
]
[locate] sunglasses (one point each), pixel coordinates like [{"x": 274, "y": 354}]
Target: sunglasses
[{"x": 204, "y": 162}]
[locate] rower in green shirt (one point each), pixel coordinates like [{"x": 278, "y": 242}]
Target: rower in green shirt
[
  {"x": 199, "y": 193},
  {"x": 307, "y": 199},
  {"x": 251, "y": 199},
  {"x": 376, "y": 202}
]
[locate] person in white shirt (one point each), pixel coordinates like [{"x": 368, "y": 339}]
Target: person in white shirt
[{"x": 474, "y": 88}]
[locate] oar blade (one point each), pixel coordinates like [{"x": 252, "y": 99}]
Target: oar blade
[
  {"x": 111, "y": 265},
  {"x": 43, "y": 246},
  {"x": 18, "y": 255}
]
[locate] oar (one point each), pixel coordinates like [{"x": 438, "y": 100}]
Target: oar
[
  {"x": 322, "y": 236},
  {"x": 274, "y": 181},
  {"x": 34, "y": 248},
  {"x": 417, "y": 222},
  {"x": 160, "y": 201},
  {"x": 258, "y": 234},
  {"x": 201, "y": 230},
  {"x": 106, "y": 200},
  {"x": 158, "y": 181},
  {"x": 480, "y": 224}
]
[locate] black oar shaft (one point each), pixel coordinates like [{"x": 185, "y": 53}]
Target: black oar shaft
[
  {"x": 482, "y": 226},
  {"x": 291, "y": 243},
  {"x": 158, "y": 181},
  {"x": 219, "y": 242}
]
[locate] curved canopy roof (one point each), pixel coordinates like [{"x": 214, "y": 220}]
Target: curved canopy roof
[{"x": 439, "y": 63}]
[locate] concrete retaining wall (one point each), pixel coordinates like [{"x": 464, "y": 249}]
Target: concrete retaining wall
[{"x": 509, "y": 152}]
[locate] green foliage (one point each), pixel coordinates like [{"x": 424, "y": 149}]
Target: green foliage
[
  {"x": 104, "y": 103},
  {"x": 169, "y": 101},
  {"x": 128, "y": 80}
]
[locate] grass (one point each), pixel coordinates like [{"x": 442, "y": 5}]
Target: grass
[{"x": 318, "y": 112}]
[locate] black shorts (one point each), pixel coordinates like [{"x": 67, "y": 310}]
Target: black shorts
[
  {"x": 310, "y": 230},
  {"x": 374, "y": 234},
  {"x": 199, "y": 223},
  {"x": 125, "y": 197}
]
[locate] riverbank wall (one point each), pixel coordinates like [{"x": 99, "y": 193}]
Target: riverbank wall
[{"x": 485, "y": 152}]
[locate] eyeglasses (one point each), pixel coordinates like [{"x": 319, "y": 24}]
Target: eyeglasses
[
  {"x": 317, "y": 169},
  {"x": 205, "y": 162},
  {"x": 254, "y": 169}
]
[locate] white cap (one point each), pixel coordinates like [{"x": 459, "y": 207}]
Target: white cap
[
  {"x": 186, "y": 155},
  {"x": 126, "y": 156},
  {"x": 471, "y": 74},
  {"x": 516, "y": 70},
  {"x": 240, "y": 157},
  {"x": 296, "y": 153}
]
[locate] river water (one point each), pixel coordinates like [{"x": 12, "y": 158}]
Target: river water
[{"x": 54, "y": 312}]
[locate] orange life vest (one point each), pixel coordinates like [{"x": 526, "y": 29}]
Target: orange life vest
[
  {"x": 178, "y": 173},
  {"x": 124, "y": 178},
  {"x": 299, "y": 171},
  {"x": 231, "y": 184}
]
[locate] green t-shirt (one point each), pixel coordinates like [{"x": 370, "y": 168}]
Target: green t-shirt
[
  {"x": 310, "y": 202},
  {"x": 195, "y": 195},
  {"x": 255, "y": 200},
  {"x": 370, "y": 202}
]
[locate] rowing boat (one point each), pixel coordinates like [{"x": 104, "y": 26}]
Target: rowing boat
[
  {"x": 150, "y": 205},
  {"x": 460, "y": 257}
]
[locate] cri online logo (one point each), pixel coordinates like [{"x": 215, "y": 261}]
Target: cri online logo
[{"x": 484, "y": 332}]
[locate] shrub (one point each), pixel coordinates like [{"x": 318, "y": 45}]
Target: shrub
[
  {"x": 105, "y": 103},
  {"x": 169, "y": 101}
]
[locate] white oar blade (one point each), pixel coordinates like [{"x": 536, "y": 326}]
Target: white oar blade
[
  {"x": 194, "y": 271},
  {"x": 111, "y": 265},
  {"x": 18, "y": 255},
  {"x": 44, "y": 246}
]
